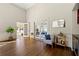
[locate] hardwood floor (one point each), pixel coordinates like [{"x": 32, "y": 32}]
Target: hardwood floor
[{"x": 26, "y": 47}]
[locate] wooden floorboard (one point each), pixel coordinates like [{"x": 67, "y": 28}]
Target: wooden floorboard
[{"x": 26, "y": 47}]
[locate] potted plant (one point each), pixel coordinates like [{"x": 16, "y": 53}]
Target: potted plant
[{"x": 10, "y": 30}]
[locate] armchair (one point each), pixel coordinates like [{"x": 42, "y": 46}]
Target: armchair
[{"x": 48, "y": 39}]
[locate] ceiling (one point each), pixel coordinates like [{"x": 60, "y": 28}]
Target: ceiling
[
  {"x": 24, "y": 5},
  {"x": 27, "y": 5}
]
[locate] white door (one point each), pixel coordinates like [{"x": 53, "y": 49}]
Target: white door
[
  {"x": 26, "y": 29},
  {"x": 22, "y": 30}
]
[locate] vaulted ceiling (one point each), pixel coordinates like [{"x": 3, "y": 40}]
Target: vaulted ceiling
[{"x": 24, "y": 5}]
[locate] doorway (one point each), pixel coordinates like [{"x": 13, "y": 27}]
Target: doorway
[{"x": 22, "y": 30}]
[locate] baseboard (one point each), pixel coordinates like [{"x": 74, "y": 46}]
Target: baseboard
[{"x": 62, "y": 46}]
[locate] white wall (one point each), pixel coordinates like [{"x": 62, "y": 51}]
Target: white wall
[
  {"x": 9, "y": 15},
  {"x": 75, "y": 26},
  {"x": 49, "y": 12}
]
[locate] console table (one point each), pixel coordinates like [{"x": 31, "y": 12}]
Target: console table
[{"x": 60, "y": 40}]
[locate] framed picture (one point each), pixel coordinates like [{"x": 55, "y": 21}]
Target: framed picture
[{"x": 59, "y": 23}]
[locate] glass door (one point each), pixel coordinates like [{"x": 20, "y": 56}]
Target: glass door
[{"x": 22, "y": 30}]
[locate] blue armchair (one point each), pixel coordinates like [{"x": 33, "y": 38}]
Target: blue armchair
[{"x": 48, "y": 39}]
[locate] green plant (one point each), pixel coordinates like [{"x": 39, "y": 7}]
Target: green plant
[{"x": 10, "y": 30}]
